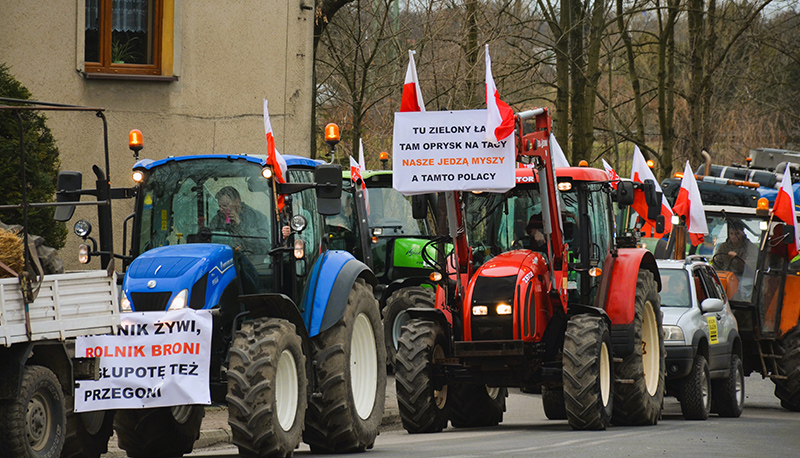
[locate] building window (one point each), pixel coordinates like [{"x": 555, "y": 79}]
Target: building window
[{"x": 123, "y": 36}]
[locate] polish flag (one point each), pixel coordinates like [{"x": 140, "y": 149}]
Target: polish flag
[
  {"x": 412, "y": 95},
  {"x": 356, "y": 172},
  {"x": 559, "y": 158},
  {"x": 639, "y": 173},
  {"x": 689, "y": 205},
  {"x": 783, "y": 209},
  {"x": 499, "y": 116},
  {"x": 274, "y": 158},
  {"x": 613, "y": 177}
]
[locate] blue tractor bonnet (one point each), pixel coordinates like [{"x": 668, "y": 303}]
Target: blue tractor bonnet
[
  {"x": 261, "y": 160},
  {"x": 155, "y": 277}
]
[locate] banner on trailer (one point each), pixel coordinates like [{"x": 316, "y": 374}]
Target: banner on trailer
[
  {"x": 437, "y": 151},
  {"x": 156, "y": 359}
]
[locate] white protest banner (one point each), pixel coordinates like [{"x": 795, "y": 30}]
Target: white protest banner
[
  {"x": 447, "y": 151},
  {"x": 157, "y": 359}
]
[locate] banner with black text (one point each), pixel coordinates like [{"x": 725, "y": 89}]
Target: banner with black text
[
  {"x": 437, "y": 151},
  {"x": 157, "y": 359}
]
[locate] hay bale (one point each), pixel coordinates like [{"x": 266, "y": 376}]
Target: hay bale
[{"x": 10, "y": 251}]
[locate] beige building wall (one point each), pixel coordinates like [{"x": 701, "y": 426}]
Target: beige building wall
[{"x": 227, "y": 57}]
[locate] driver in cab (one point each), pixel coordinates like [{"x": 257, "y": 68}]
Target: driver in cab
[
  {"x": 238, "y": 219},
  {"x": 737, "y": 252}
]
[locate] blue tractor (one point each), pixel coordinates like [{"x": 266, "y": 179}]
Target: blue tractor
[{"x": 297, "y": 348}]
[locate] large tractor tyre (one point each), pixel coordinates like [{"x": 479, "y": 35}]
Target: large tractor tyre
[
  {"x": 158, "y": 432},
  {"x": 696, "y": 391},
  {"x": 553, "y": 403},
  {"x": 351, "y": 369},
  {"x": 88, "y": 434},
  {"x": 727, "y": 395},
  {"x": 588, "y": 373},
  {"x": 788, "y": 390},
  {"x": 476, "y": 405},
  {"x": 639, "y": 402},
  {"x": 33, "y": 425},
  {"x": 395, "y": 315},
  {"x": 423, "y": 406},
  {"x": 267, "y": 387}
]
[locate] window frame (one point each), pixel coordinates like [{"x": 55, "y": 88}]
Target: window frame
[{"x": 105, "y": 66}]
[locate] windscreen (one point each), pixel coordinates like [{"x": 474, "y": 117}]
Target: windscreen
[
  {"x": 391, "y": 211},
  {"x": 675, "y": 288},
  {"x": 733, "y": 245}
]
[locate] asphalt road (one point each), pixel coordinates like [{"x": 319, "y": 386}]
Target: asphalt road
[{"x": 764, "y": 430}]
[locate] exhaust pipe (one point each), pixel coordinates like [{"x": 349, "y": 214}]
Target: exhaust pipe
[{"x": 707, "y": 157}]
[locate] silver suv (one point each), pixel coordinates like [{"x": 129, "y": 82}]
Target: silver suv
[{"x": 704, "y": 351}]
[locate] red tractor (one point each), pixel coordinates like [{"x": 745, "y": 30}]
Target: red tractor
[{"x": 537, "y": 293}]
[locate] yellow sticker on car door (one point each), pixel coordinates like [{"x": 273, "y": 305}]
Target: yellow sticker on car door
[{"x": 712, "y": 329}]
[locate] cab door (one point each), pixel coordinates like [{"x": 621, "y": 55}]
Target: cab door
[{"x": 720, "y": 323}]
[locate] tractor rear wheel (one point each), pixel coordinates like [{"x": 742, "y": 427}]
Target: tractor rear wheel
[
  {"x": 158, "y": 432},
  {"x": 696, "y": 391},
  {"x": 32, "y": 425},
  {"x": 727, "y": 395},
  {"x": 395, "y": 315},
  {"x": 351, "y": 369},
  {"x": 423, "y": 406},
  {"x": 639, "y": 403},
  {"x": 553, "y": 403},
  {"x": 267, "y": 386},
  {"x": 88, "y": 434},
  {"x": 788, "y": 390},
  {"x": 588, "y": 373},
  {"x": 476, "y": 405}
]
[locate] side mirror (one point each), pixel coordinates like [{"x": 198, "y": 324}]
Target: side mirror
[
  {"x": 624, "y": 194},
  {"x": 68, "y": 185},
  {"x": 652, "y": 198},
  {"x": 788, "y": 234},
  {"x": 328, "y": 179},
  {"x": 419, "y": 206},
  {"x": 712, "y": 305}
]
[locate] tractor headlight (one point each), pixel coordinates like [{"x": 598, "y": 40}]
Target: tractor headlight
[
  {"x": 503, "y": 309},
  {"x": 673, "y": 333},
  {"x": 125, "y": 304},
  {"x": 180, "y": 300},
  {"x": 480, "y": 310},
  {"x": 299, "y": 249},
  {"x": 83, "y": 254}
]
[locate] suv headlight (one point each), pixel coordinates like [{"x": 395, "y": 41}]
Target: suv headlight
[
  {"x": 125, "y": 304},
  {"x": 673, "y": 333}
]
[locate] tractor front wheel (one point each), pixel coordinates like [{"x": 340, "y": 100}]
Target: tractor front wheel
[
  {"x": 395, "y": 315},
  {"x": 588, "y": 373},
  {"x": 351, "y": 368},
  {"x": 158, "y": 432},
  {"x": 788, "y": 390},
  {"x": 639, "y": 402},
  {"x": 88, "y": 434},
  {"x": 423, "y": 406},
  {"x": 476, "y": 405}
]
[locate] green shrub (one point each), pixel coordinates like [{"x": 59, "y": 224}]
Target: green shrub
[{"x": 42, "y": 165}]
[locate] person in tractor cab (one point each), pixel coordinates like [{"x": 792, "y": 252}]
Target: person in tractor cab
[
  {"x": 534, "y": 229},
  {"x": 737, "y": 253},
  {"x": 240, "y": 220}
]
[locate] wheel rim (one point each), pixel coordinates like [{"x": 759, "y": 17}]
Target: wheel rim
[
  {"x": 286, "y": 390},
  {"x": 363, "y": 366},
  {"x": 493, "y": 391},
  {"x": 439, "y": 396},
  {"x": 704, "y": 390},
  {"x": 651, "y": 349},
  {"x": 399, "y": 321},
  {"x": 739, "y": 385},
  {"x": 181, "y": 414},
  {"x": 605, "y": 374},
  {"x": 93, "y": 421},
  {"x": 39, "y": 415}
]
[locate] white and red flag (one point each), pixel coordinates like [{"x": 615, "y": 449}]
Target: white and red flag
[
  {"x": 689, "y": 205},
  {"x": 412, "y": 95},
  {"x": 783, "y": 209},
  {"x": 356, "y": 169},
  {"x": 559, "y": 158},
  {"x": 499, "y": 116},
  {"x": 639, "y": 173},
  {"x": 613, "y": 176},
  {"x": 274, "y": 158}
]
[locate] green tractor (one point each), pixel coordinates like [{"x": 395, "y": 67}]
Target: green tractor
[{"x": 388, "y": 231}]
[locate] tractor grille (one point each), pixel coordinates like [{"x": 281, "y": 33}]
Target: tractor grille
[
  {"x": 150, "y": 302},
  {"x": 490, "y": 291}
]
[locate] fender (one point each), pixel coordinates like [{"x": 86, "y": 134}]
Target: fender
[
  {"x": 328, "y": 288},
  {"x": 621, "y": 296},
  {"x": 402, "y": 283},
  {"x": 435, "y": 315}
]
